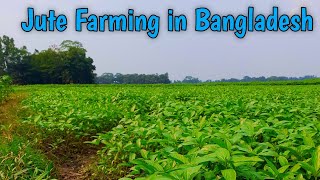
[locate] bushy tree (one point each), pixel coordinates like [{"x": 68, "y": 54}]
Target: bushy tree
[
  {"x": 10, "y": 55},
  {"x": 63, "y": 64},
  {"x": 190, "y": 79}
]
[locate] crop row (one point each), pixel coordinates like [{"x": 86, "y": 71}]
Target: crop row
[{"x": 190, "y": 132}]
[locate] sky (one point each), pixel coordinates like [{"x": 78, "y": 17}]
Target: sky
[{"x": 206, "y": 55}]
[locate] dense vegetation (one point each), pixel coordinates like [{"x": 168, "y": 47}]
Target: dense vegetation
[
  {"x": 63, "y": 64},
  {"x": 5, "y": 88},
  {"x": 20, "y": 160},
  {"x": 18, "y": 157},
  {"x": 187, "y": 131}
]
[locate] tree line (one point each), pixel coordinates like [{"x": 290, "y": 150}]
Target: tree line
[
  {"x": 118, "y": 78},
  {"x": 63, "y": 64},
  {"x": 194, "y": 80},
  {"x": 68, "y": 63},
  {"x": 265, "y": 79}
]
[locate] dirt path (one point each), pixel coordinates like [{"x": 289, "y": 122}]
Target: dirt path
[
  {"x": 76, "y": 160},
  {"x": 76, "y": 167}
]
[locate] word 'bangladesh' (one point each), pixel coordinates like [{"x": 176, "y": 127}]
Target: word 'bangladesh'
[{"x": 204, "y": 20}]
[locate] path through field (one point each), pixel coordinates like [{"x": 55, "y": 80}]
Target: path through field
[
  {"x": 9, "y": 111},
  {"x": 75, "y": 167},
  {"x": 68, "y": 165}
]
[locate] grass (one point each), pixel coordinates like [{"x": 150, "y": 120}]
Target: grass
[
  {"x": 19, "y": 159},
  {"x": 29, "y": 152}
]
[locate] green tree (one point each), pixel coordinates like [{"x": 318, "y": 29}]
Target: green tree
[
  {"x": 78, "y": 67},
  {"x": 48, "y": 65},
  {"x": 10, "y": 55},
  {"x": 63, "y": 64},
  {"x": 190, "y": 79}
]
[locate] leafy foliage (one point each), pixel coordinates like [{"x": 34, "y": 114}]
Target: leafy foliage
[
  {"x": 189, "y": 132},
  {"x": 5, "y": 88}
]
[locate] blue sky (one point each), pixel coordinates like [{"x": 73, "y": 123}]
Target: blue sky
[{"x": 207, "y": 55}]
